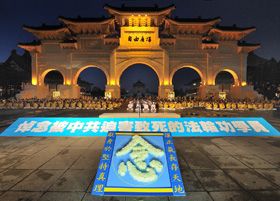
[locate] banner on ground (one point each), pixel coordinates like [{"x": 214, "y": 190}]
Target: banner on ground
[
  {"x": 138, "y": 164},
  {"x": 191, "y": 127}
]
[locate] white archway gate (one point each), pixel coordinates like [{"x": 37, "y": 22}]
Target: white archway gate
[{"x": 149, "y": 36}]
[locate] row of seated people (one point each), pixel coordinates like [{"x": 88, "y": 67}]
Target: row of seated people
[
  {"x": 216, "y": 105},
  {"x": 60, "y": 104}
]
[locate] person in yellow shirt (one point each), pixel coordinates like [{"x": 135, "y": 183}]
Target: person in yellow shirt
[
  {"x": 110, "y": 106},
  {"x": 53, "y": 105},
  {"x": 79, "y": 105},
  {"x": 270, "y": 106},
  {"x": 260, "y": 106},
  {"x": 208, "y": 106},
  {"x": 172, "y": 105},
  {"x": 66, "y": 105},
  {"x": 73, "y": 104},
  {"x": 234, "y": 106},
  {"x": 103, "y": 105},
  {"x": 245, "y": 106},
  {"x": 160, "y": 105},
  {"x": 250, "y": 106},
  {"x": 240, "y": 106},
  {"x": 166, "y": 105},
  {"x": 35, "y": 105},
  {"x": 178, "y": 106},
  {"x": 21, "y": 105},
  {"x": 221, "y": 106},
  {"x": 116, "y": 105},
  {"x": 228, "y": 105},
  {"x": 215, "y": 106},
  {"x": 98, "y": 106}
]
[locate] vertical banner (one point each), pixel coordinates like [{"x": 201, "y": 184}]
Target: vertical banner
[
  {"x": 104, "y": 164},
  {"x": 138, "y": 164}
]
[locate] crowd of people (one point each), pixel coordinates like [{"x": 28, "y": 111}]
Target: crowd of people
[
  {"x": 179, "y": 104},
  {"x": 83, "y": 103},
  {"x": 134, "y": 105}
]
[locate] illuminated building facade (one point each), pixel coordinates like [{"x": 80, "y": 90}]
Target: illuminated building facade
[{"x": 133, "y": 35}]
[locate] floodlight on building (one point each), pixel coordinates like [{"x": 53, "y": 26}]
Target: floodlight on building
[
  {"x": 34, "y": 81},
  {"x": 243, "y": 84}
]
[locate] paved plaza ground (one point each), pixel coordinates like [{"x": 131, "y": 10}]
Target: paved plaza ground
[{"x": 63, "y": 169}]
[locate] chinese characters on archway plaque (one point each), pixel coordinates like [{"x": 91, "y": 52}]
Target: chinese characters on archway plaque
[
  {"x": 139, "y": 39},
  {"x": 138, "y": 164}
]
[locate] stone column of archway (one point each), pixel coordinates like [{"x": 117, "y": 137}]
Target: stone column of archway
[
  {"x": 243, "y": 69},
  {"x": 34, "y": 72},
  {"x": 166, "y": 86},
  {"x": 112, "y": 88}
]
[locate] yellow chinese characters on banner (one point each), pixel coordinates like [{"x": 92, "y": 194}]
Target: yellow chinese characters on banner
[{"x": 139, "y": 37}]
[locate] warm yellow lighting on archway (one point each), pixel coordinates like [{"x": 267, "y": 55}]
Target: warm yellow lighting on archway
[
  {"x": 112, "y": 82},
  {"x": 68, "y": 82},
  {"x": 243, "y": 83},
  {"x": 210, "y": 82},
  {"x": 166, "y": 83},
  {"x": 34, "y": 81}
]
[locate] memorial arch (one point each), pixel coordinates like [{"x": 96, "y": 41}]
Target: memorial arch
[{"x": 131, "y": 35}]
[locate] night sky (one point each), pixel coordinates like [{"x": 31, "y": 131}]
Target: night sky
[{"x": 263, "y": 14}]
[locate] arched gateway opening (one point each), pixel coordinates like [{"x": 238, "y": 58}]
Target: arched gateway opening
[
  {"x": 92, "y": 81},
  {"x": 224, "y": 80},
  {"x": 139, "y": 80},
  {"x": 53, "y": 78},
  {"x": 186, "y": 82}
]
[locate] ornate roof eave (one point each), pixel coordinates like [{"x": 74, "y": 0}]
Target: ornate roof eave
[
  {"x": 80, "y": 27},
  {"x": 31, "y": 47},
  {"x": 69, "y": 44},
  {"x": 211, "y": 22},
  {"x": 232, "y": 33},
  {"x": 233, "y": 30},
  {"x": 190, "y": 26},
  {"x": 167, "y": 41},
  {"x": 81, "y": 22},
  {"x": 47, "y": 33},
  {"x": 247, "y": 47},
  {"x": 44, "y": 29},
  {"x": 161, "y": 11},
  {"x": 111, "y": 41},
  {"x": 209, "y": 45}
]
